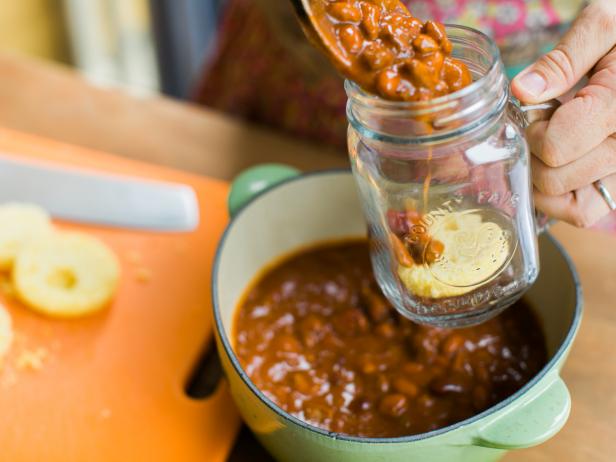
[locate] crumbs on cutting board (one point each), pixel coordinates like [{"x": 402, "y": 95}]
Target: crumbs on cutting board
[
  {"x": 32, "y": 359},
  {"x": 143, "y": 275},
  {"x": 24, "y": 357},
  {"x": 133, "y": 257},
  {"x": 25, "y": 361}
]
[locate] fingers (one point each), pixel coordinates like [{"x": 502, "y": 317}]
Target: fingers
[
  {"x": 582, "y": 124},
  {"x": 581, "y": 208},
  {"x": 598, "y": 163},
  {"x": 577, "y": 146},
  {"x": 590, "y": 38}
]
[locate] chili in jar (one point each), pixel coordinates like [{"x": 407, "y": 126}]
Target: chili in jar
[{"x": 381, "y": 46}]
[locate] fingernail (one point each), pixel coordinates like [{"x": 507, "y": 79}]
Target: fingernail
[{"x": 533, "y": 84}]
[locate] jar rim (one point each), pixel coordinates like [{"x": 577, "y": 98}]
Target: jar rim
[
  {"x": 355, "y": 92},
  {"x": 443, "y": 118}
]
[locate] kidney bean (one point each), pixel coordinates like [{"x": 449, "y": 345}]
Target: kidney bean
[
  {"x": 425, "y": 44},
  {"x": 399, "y": 30},
  {"x": 351, "y": 321},
  {"x": 302, "y": 383},
  {"x": 455, "y": 75},
  {"x": 288, "y": 343},
  {"x": 439, "y": 363},
  {"x": 393, "y": 405},
  {"x": 413, "y": 217},
  {"x": 386, "y": 330},
  {"x": 411, "y": 367},
  {"x": 446, "y": 45},
  {"x": 435, "y": 61},
  {"x": 312, "y": 330},
  {"x": 378, "y": 308},
  {"x": 481, "y": 372},
  {"x": 437, "y": 32},
  {"x": 407, "y": 328},
  {"x": 360, "y": 404},
  {"x": 414, "y": 26},
  {"x": 317, "y": 413},
  {"x": 401, "y": 253},
  {"x": 371, "y": 18},
  {"x": 423, "y": 379},
  {"x": 461, "y": 363},
  {"x": 382, "y": 383},
  {"x": 341, "y": 423},
  {"x": 453, "y": 344},
  {"x": 452, "y": 383},
  {"x": 425, "y": 400},
  {"x": 406, "y": 387},
  {"x": 350, "y": 38},
  {"x": 421, "y": 74},
  {"x": 344, "y": 11},
  {"x": 434, "y": 251},
  {"x": 377, "y": 56},
  {"x": 406, "y": 91},
  {"x": 434, "y": 30},
  {"x": 481, "y": 397},
  {"x": 388, "y": 82},
  {"x": 397, "y": 220},
  {"x": 441, "y": 88},
  {"x": 368, "y": 365}
]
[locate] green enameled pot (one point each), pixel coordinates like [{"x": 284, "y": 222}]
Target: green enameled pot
[{"x": 275, "y": 211}]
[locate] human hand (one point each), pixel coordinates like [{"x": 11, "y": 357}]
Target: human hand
[{"x": 577, "y": 146}]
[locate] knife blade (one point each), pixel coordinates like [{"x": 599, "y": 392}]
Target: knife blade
[{"x": 107, "y": 199}]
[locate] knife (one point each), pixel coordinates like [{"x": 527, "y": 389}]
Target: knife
[{"x": 112, "y": 200}]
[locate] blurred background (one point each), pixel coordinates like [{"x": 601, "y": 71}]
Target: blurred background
[
  {"x": 142, "y": 46},
  {"x": 247, "y": 59}
]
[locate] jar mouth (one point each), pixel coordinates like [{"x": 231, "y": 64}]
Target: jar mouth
[
  {"x": 456, "y": 34},
  {"x": 441, "y": 118}
]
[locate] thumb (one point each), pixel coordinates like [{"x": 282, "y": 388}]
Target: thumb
[{"x": 591, "y": 37}]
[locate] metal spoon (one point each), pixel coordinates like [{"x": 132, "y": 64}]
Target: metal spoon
[{"x": 307, "y": 12}]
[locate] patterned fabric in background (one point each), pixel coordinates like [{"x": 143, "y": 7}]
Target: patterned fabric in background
[
  {"x": 256, "y": 75},
  {"x": 523, "y": 29}
]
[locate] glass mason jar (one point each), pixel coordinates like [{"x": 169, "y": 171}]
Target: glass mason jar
[{"x": 446, "y": 191}]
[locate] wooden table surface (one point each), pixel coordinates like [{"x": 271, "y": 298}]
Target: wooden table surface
[{"x": 45, "y": 99}]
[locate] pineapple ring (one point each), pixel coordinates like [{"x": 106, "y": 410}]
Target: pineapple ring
[
  {"x": 6, "y": 331},
  {"x": 462, "y": 272},
  {"x": 66, "y": 275},
  {"x": 20, "y": 223}
]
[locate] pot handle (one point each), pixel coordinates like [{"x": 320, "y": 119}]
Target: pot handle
[
  {"x": 533, "y": 422},
  {"x": 253, "y": 181}
]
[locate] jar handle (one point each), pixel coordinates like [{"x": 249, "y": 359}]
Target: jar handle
[
  {"x": 526, "y": 115},
  {"x": 532, "y": 113}
]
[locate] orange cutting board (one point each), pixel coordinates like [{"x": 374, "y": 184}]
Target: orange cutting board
[{"x": 111, "y": 387}]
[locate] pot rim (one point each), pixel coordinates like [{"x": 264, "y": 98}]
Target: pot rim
[{"x": 228, "y": 349}]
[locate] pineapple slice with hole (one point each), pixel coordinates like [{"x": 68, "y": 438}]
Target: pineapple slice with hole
[
  {"x": 474, "y": 252},
  {"x": 19, "y": 224},
  {"x": 66, "y": 275},
  {"x": 6, "y": 331}
]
